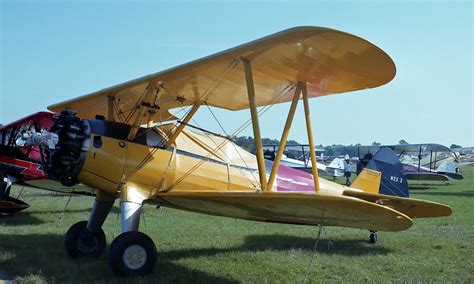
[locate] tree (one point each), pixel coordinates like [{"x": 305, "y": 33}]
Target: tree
[
  {"x": 376, "y": 143},
  {"x": 455, "y": 146},
  {"x": 403, "y": 142}
]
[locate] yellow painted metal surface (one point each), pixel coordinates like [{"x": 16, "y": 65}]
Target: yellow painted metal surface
[
  {"x": 292, "y": 208},
  {"x": 180, "y": 178},
  {"x": 329, "y": 61},
  {"x": 104, "y": 165},
  {"x": 309, "y": 131},
  {"x": 180, "y": 128},
  {"x": 368, "y": 180},
  {"x": 414, "y": 208},
  {"x": 255, "y": 125},
  {"x": 284, "y": 136}
]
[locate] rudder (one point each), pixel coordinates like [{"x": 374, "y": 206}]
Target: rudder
[{"x": 392, "y": 180}]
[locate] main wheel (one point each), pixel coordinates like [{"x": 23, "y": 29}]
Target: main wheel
[
  {"x": 132, "y": 253},
  {"x": 80, "y": 242}
]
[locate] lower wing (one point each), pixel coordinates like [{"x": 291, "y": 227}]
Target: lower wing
[
  {"x": 290, "y": 208},
  {"x": 427, "y": 176}
]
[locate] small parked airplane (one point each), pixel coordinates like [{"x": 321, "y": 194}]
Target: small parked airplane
[
  {"x": 427, "y": 166},
  {"x": 334, "y": 169},
  {"x": 120, "y": 141}
]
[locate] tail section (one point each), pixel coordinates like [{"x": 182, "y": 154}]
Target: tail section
[
  {"x": 383, "y": 182},
  {"x": 337, "y": 163},
  {"x": 391, "y": 179},
  {"x": 448, "y": 168},
  {"x": 368, "y": 181}
]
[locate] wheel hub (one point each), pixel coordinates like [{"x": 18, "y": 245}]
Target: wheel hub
[
  {"x": 134, "y": 257},
  {"x": 86, "y": 243}
]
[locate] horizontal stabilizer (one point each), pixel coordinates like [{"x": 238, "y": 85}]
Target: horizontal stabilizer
[
  {"x": 413, "y": 208},
  {"x": 448, "y": 168},
  {"x": 427, "y": 176}
]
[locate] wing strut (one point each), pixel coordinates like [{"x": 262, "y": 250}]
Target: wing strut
[
  {"x": 314, "y": 166},
  {"x": 256, "y": 127},
  {"x": 110, "y": 108},
  {"x": 182, "y": 125},
  {"x": 142, "y": 107},
  {"x": 284, "y": 136}
]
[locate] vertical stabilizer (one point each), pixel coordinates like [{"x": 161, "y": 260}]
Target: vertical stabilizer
[
  {"x": 392, "y": 180},
  {"x": 368, "y": 181}
]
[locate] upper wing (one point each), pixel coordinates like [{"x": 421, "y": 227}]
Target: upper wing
[
  {"x": 403, "y": 148},
  {"x": 43, "y": 118},
  {"x": 329, "y": 61}
]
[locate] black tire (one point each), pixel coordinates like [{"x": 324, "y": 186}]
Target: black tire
[
  {"x": 79, "y": 242},
  {"x": 140, "y": 250},
  {"x": 3, "y": 189},
  {"x": 373, "y": 238}
]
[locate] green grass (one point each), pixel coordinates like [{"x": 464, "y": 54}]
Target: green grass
[{"x": 200, "y": 248}]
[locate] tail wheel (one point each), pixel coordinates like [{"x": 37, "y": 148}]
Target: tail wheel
[
  {"x": 80, "y": 242},
  {"x": 373, "y": 237},
  {"x": 132, "y": 253}
]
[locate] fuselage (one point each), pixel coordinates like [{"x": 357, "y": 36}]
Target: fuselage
[{"x": 192, "y": 163}]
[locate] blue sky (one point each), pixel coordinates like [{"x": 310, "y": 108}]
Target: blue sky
[{"x": 56, "y": 50}]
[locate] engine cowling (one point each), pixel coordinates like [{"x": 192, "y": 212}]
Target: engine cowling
[{"x": 65, "y": 162}]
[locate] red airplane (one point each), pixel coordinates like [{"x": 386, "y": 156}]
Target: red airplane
[{"x": 22, "y": 163}]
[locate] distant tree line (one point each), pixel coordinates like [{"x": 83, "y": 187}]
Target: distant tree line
[{"x": 247, "y": 142}]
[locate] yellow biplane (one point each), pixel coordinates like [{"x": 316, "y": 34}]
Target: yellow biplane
[{"x": 125, "y": 142}]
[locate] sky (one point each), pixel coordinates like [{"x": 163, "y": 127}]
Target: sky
[{"x": 53, "y": 51}]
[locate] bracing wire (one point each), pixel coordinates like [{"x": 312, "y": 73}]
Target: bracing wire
[
  {"x": 21, "y": 191},
  {"x": 228, "y": 158},
  {"x": 136, "y": 107},
  {"x": 237, "y": 132},
  {"x": 65, "y": 207},
  {"x": 145, "y": 160},
  {"x": 233, "y": 144},
  {"x": 320, "y": 226},
  {"x": 204, "y": 96}
]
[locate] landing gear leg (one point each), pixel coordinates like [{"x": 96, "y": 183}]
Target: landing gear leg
[
  {"x": 373, "y": 237},
  {"x": 132, "y": 252},
  {"x": 86, "y": 238},
  {"x": 5, "y": 186}
]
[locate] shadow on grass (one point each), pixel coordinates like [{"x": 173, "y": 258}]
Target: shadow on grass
[
  {"x": 57, "y": 211},
  {"x": 54, "y": 264},
  {"x": 284, "y": 243},
  {"x": 459, "y": 194},
  {"x": 422, "y": 187},
  {"x": 19, "y": 219},
  {"x": 19, "y": 258}
]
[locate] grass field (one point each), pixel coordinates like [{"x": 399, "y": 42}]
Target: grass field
[{"x": 200, "y": 248}]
